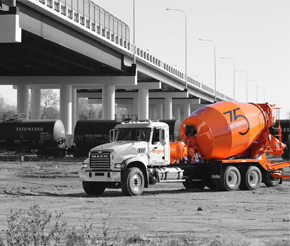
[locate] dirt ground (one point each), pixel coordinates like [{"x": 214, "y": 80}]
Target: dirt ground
[{"x": 260, "y": 217}]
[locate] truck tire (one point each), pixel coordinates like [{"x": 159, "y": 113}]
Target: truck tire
[
  {"x": 132, "y": 182},
  {"x": 231, "y": 178},
  {"x": 93, "y": 188},
  {"x": 251, "y": 178}
]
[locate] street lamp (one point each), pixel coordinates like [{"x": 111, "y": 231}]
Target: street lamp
[
  {"x": 214, "y": 65},
  {"x": 233, "y": 75},
  {"x": 264, "y": 92},
  {"x": 185, "y": 79},
  {"x": 256, "y": 89},
  {"x": 246, "y": 83},
  {"x": 134, "y": 47}
]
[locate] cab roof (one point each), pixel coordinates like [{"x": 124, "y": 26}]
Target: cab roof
[{"x": 141, "y": 124}]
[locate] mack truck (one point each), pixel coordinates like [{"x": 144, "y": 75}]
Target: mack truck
[{"x": 222, "y": 146}]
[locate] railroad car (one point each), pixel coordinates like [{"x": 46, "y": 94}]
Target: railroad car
[{"x": 44, "y": 137}]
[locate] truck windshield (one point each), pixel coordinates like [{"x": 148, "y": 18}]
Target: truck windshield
[{"x": 133, "y": 134}]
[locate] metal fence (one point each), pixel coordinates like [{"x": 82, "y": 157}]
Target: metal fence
[{"x": 89, "y": 14}]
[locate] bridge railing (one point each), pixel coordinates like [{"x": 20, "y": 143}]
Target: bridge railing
[{"x": 93, "y": 17}]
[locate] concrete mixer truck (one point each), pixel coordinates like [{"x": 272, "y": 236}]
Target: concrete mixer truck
[{"x": 222, "y": 146}]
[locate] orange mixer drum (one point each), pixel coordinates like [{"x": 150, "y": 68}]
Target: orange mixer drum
[{"x": 224, "y": 129}]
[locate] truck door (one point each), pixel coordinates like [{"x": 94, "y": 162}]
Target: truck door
[{"x": 157, "y": 150}]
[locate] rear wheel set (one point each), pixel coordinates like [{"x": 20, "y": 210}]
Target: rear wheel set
[{"x": 245, "y": 178}]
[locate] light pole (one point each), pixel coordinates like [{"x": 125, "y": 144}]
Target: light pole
[
  {"x": 256, "y": 89},
  {"x": 214, "y": 65},
  {"x": 185, "y": 79},
  {"x": 264, "y": 92},
  {"x": 246, "y": 83},
  {"x": 234, "y": 73},
  {"x": 134, "y": 47}
]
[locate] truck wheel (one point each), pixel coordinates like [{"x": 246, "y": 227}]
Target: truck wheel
[
  {"x": 132, "y": 182},
  {"x": 251, "y": 178},
  {"x": 231, "y": 178},
  {"x": 93, "y": 188}
]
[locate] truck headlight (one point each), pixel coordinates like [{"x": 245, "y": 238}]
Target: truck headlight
[
  {"x": 85, "y": 164},
  {"x": 121, "y": 166}
]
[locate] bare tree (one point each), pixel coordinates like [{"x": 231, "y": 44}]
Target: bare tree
[
  {"x": 5, "y": 108},
  {"x": 89, "y": 111},
  {"x": 49, "y": 104}
]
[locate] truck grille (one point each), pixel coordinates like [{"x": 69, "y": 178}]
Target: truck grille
[{"x": 100, "y": 160}]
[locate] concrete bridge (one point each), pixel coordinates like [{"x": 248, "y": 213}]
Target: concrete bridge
[{"x": 83, "y": 50}]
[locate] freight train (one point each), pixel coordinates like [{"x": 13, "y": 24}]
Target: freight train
[
  {"x": 47, "y": 137},
  {"x": 43, "y": 137}
]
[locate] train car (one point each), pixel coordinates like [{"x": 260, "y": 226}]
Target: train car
[
  {"x": 44, "y": 137},
  {"x": 91, "y": 133},
  {"x": 285, "y": 135}
]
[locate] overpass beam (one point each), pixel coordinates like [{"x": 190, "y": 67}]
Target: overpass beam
[
  {"x": 22, "y": 100},
  {"x": 65, "y": 97},
  {"x": 108, "y": 102},
  {"x": 35, "y": 103}
]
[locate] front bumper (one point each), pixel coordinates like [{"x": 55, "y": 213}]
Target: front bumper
[{"x": 99, "y": 176}]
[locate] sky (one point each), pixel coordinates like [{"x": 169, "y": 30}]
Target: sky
[{"x": 255, "y": 34}]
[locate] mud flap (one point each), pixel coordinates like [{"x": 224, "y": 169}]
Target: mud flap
[{"x": 216, "y": 170}]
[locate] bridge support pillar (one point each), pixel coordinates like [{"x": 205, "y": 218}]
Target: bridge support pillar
[
  {"x": 177, "y": 113},
  {"x": 135, "y": 106},
  {"x": 152, "y": 112},
  {"x": 159, "y": 109},
  {"x": 22, "y": 100},
  {"x": 74, "y": 108},
  {"x": 186, "y": 110},
  {"x": 143, "y": 104},
  {"x": 35, "y": 103},
  {"x": 168, "y": 108},
  {"x": 108, "y": 102},
  {"x": 130, "y": 109},
  {"x": 65, "y": 97}
]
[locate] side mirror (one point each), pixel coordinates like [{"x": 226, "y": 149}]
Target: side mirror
[{"x": 162, "y": 137}]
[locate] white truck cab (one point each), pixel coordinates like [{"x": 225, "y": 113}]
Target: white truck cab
[{"x": 135, "y": 150}]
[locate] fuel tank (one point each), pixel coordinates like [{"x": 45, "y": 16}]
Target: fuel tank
[{"x": 224, "y": 129}]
